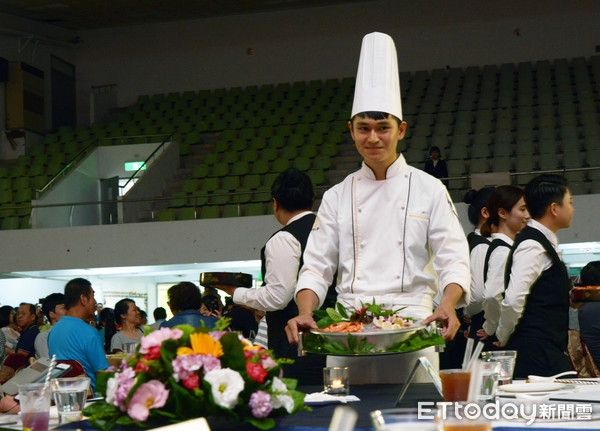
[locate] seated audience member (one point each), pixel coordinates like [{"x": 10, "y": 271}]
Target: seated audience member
[
  {"x": 8, "y": 333},
  {"x": 53, "y": 307},
  {"x": 143, "y": 319},
  {"x": 127, "y": 314},
  {"x": 108, "y": 328},
  {"x": 185, "y": 300},
  {"x": 160, "y": 315},
  {"x": 589, "y": 323},
  {"x": 72, "y": 338},
  {"x": 26, "y": 319}
]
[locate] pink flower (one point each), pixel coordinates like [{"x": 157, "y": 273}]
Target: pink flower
[
  {"x": 192, "y": 382},
  {"x": 118, "y": 387},
  {"x": 256, "y": 372},
  {"x": 211, "y": 363},
  {"x": 185, "y": 365},
  {"x": 267, "y": 362},
  {"x": 150, "y": 395},
  {"x": 217, "y": 334},
  {"x": 260, "y": 403},
  {"x": 141, "y": 367},
  {"x": 156, "y": 338}
]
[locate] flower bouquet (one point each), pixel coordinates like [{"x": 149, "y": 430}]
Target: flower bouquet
[{"x": 183, "y": 373}]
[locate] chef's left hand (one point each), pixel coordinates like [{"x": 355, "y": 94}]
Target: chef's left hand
[{"x": 450, "y": 323}]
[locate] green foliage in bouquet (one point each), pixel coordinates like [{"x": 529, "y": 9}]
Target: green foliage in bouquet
[{"x": 183, "y": 373}]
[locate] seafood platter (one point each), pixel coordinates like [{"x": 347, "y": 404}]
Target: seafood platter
[
  {"x": 586, "y": 294},
  {"x": 368, "y": 330}
]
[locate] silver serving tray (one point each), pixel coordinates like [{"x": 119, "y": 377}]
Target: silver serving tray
[{"x": 382, "y": 339}]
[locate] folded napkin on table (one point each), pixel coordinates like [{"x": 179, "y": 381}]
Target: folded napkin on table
[{"x": 322, "y": 397}]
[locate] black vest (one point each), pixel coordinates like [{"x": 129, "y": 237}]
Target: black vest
[
  {"x": 474, "y": 240},
  {"x": 277, "y": 320},
  {"x": 546, "y": 313},
  {"x": 493, "y": 246}
]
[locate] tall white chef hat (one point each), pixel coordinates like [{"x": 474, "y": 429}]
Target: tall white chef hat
[{"x": 377, "y": 80}]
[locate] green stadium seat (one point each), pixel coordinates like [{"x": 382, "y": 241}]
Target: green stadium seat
[
  {"x": 178, "y": 202},
  {"x": 219, "y": 197},
  {"x": 220, "y": 170},
  {"x": 322, "y": 162},
  {"x": 255, "y": 209},
  {"x": 317, "y": 177},
  {"x": 280, "y": 165},
  {"x": 230, "y": 157},
  {"x": 10, "y": 223},
  {"x": 212, "y": 211},
  {"x": 231, "y": 211},
  {"x": 190, "y": 186},
  {"x": 260, "y": 166},
  {"x": 268, "y": 180},
  {"x": 21, "y": 183},
  {"x": 210, "y": 184},
  {"x": 240, "y": 168},
  {"x": 188, "y": 213},
  {"x": 268, "y": 154},
  {"x": 231, "y": 183},
  {"x": 289, "y": 152},
  {"x": 166, "y": 215},
  {"x": 302, "y": 163}
]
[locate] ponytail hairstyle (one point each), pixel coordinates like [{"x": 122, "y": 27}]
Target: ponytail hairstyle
[{"x": 478, "y": 200}]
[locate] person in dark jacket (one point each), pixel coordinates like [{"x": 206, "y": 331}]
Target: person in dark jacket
[{"x": 435, "y": 166}]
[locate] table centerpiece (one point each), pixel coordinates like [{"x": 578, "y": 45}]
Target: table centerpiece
[{"x": 183, "y": 373}]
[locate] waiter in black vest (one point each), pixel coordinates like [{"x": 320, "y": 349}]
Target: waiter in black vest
[
  {"x": 281, "y": 261},
  {"x": 534, "y": 316}
]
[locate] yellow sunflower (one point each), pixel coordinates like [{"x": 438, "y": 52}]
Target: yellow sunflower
[{"x": 202, "y": 344}]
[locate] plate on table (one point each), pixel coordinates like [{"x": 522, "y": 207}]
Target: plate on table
[
  {"x": 586, "y": 294},
  {"x": 532, "y": 387}
]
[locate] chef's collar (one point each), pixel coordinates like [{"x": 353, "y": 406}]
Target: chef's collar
[
  {"x": 394, "y": 169},
  {"x": 551, "y": 236}
]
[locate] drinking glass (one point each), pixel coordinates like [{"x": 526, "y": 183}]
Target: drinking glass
[
  {"x": 455, "y": 384},
  {"x": 35, "y": 406},
  {"x": 507, "y": 360},
  {"x": 70, "y": 394},
  {"x": 401, "y": 419},
  {"x": 336, "y": 380},
  {"x": 490, "y": 373}
]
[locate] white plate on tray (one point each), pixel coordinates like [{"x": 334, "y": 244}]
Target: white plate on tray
[{"x": 532, "y": 387}]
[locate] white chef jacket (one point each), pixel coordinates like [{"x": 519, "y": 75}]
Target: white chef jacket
[
  {"x": 392, "y": 241},
  {"x": 529, "y": 261},
  {"x": 282, "y": 261},
  {"x": 494, "y": 286},
  {"x": 477, "y": 259}
]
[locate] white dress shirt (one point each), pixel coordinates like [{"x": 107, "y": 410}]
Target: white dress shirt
[
  {"x": 477, "y": 259},
  {"x": 282, "y": 254},
  {"x": 529, "y": 261},
  {"x": 494, "y": 285},
  {"x": 393, "y": 241}
]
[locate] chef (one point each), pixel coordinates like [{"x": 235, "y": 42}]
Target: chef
[{"x": 391, "y": 230}]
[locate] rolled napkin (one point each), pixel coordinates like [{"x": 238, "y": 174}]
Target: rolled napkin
[{"x": 323, "y": 398}]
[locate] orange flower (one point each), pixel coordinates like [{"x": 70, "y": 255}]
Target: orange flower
[{"x": 202, "y": 344}]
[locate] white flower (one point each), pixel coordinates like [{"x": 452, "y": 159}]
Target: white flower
[
  {"x": 226, "y": 386},
  {"x": 111, "y": 389},
  {"x": 279, "y": 386},
  {"x": 279, "y": 397},
  {"x": 283, "y": 401}
]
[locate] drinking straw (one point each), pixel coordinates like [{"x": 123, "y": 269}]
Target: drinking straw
[
  {"x": 475, "y": 381},
  {"x": 476, "y": 354},
  {"x": 467, "y": 356},
  {"x": 46, "y": 387}
]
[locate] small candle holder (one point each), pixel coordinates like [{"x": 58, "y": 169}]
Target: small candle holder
[{"x": 336, "y": 380}]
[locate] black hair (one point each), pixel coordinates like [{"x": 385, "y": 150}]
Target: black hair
[
  {"x": 50, "y": 302},
  {"x": 435, "y": 148},
  {"x": 5, "y": 315},
  {"x": 377, "y": 115},
  {"x": 477, "y": 200},
  {"x": 122, "y": 307},
  {"x": 212, "y": 302},
  {"x": 590, "y": 274},
  {"x": 107, "y": 320},
  {"x": 74, "y": 289},
  {"x": 292, "y": 189},
  {"x": 184, "y": 296},
  {"x": 503, "y": 197},
  {"x": 542, "y": 191},
  {"x": 32, "y": 309},
  {"x": 159, "y": 313}
]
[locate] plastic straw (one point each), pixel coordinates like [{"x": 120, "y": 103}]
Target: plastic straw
[
  {"x": 49, "y": 373},
  {"x": 475, "y": 355},
  {"x": 467, "y": 356},
  {"x": 475, "y": 381}
]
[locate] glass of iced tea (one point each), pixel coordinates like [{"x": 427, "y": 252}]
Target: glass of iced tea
[
  {"x": 455, "y": 384},
  {"x": 35, "y": 406}
]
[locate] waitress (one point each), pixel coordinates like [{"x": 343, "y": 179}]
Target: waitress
[
  {"x": 390, "y": 230},
  {"x": 508, "y": 216}
]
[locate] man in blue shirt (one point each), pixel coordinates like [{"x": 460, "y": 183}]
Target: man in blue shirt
[
  {"x": 72, "y": 338},
  {"x": 185, "y": 300}
]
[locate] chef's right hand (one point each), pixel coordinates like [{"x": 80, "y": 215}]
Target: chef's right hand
[{"x": 298, "y": 323}]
